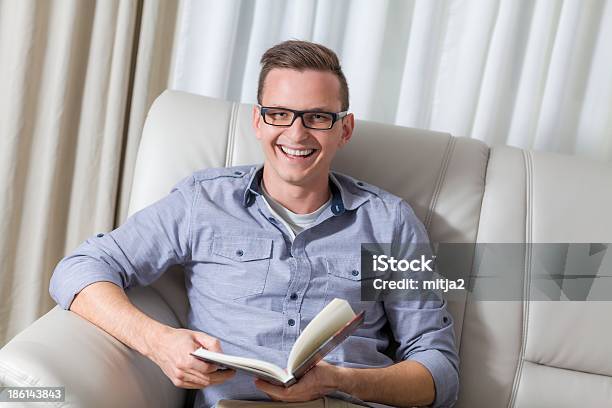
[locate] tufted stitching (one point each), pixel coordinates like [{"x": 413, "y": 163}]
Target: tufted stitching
[
  {"x": 450, "y": 146},
  {"x": 528, "y": 161},
  {"x": 231, "y": 134}
]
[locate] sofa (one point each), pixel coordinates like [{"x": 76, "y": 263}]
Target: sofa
[{"x": 515, "y": 352}]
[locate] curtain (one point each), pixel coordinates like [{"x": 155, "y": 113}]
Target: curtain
[
  {"x": 531, "y": 74},
  {"x": 76, "y": 79}
]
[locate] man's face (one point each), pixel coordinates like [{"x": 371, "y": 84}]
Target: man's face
[{"x": 306, "y": 90}]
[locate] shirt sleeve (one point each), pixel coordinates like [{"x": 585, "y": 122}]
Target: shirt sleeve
[
  {"x": 136, "y": 253},
  {"x": 423, "y": 328}
]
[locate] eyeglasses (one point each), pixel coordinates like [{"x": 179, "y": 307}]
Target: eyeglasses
[{"x": 310, "y": 119}]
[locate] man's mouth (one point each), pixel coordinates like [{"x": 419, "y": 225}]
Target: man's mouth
[{"x": 297, "y": 153}]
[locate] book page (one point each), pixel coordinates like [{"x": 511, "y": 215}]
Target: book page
[
  {"x": 327, "y": 322},
  {"x": 248, "y": 364},
  {"x": 335, "y": 340}
]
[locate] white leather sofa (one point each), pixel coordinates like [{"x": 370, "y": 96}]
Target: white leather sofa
[{"x": 513, "y": 353}]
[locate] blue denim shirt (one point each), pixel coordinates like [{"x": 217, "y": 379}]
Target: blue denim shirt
[{"x": 253, "y": 288}]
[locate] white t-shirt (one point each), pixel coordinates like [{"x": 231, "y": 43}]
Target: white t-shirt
[{"x": 295, "y": 223}]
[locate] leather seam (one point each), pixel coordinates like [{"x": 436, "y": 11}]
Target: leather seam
[
  {"x": 484, "y": 189},
  {"x": 528, "y": 162},
  {"x": 231, "y": 134},
  {"x": 440, "y": 181},
  {"x": 20, "y": 378},
  {"x": 25, "y": 380},
  {"x": 566, "y": 369}
]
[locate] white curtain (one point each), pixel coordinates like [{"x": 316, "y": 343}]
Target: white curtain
[
  {"x": 532, "y": 74},
  {"x": 76, "y": 80}
]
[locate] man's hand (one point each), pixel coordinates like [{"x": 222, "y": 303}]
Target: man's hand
[
  {"x": 171, "y": 353},
  {"x": 319, "y": 381}
]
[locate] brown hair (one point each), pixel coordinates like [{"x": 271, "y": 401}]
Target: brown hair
[{"x": 302, "y": 55}]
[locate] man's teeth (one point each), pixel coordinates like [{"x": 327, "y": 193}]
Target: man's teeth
[{"x": 296, "y": 152}]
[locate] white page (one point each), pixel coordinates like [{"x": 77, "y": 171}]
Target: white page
[
  {"x": 327, "y": 322},
  {"x": 247, "y": 363}
]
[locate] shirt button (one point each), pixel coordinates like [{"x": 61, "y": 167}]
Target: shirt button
[
  {"x": 293, "y": 296},
  {"x": 272, "y": 220},
  {"x": 359, "y": 183},
  {"x": 240, "y": 252},
  {"x": 291, "y": 322},
  {"x": 354, "y": 272},
  {"x": 100, "y": 235},
  {"x": 238, "y": 173},
  {"x": 445, "y": 319}
]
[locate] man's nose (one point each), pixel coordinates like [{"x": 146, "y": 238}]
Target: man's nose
[{"x": 297, "y": 131}]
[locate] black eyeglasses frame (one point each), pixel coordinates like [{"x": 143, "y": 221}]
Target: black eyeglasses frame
[{"x": 336, "y": 116}]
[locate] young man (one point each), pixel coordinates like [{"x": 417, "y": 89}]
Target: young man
[{"x": 264, "y": 249}]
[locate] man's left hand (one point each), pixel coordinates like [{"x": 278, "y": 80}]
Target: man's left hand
[{"x": 321, "y": 380}]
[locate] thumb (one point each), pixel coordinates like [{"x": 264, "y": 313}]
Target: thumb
[{"x": 208, "y": 342}]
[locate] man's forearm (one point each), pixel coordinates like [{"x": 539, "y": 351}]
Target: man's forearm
[
  {"x": 404, "y": 384},
  {"x": 107, "y": 306}
]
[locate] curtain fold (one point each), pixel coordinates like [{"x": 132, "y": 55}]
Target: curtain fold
[
  {"x": 531, "y": 74},
  {"x": 76, "y": 79},
  {"x": 151, "y": 75}
]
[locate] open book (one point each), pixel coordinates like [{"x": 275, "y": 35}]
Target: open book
[{"x": 330, "y": 327}]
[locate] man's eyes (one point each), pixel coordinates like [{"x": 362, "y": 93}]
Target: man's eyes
[
  {"x": 321, "y": 117},
  {"x": 278, "y": 115},
  {"x": 310, "y": 116}
]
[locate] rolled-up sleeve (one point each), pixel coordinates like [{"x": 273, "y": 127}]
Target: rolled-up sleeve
[
  {"x": 136, "y": 253},
  {"x": 424, "y": 329}
]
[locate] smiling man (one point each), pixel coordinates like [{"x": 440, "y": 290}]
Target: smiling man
[{"x": 264, "y": 248}]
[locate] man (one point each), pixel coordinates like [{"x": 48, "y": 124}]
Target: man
[{"x": 264, "y": 249}]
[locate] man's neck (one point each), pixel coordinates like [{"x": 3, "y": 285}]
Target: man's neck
[{"x": 300, "y": 199}]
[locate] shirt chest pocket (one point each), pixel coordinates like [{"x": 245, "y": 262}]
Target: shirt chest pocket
[
  {"x": 345, "y": 279},
  {"x": 241, "y": 266}
]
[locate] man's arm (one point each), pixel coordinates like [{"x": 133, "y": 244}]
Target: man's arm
[
  {"x": 91, "y": 283},
  {"x": 404, "y": 384},
  {"x": 107, "y": 306}
]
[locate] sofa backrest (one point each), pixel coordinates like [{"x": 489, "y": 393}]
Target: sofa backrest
[{"x": 555, "y": 353}]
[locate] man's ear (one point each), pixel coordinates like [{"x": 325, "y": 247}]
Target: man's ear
[
  {"x": 256, "y": 122},
  {"x": 348, "y": 124}
]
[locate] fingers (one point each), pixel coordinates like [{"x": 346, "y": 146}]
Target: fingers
[
  {"x": 273, "y": 391},
  {"x": 267, "y": 387},
  {"x": 183, "y": 369},
  {"x": 220, "y": 376},
  {"x": 189, "y": 380},
  {"x": 208, "y": 342},
  {"x": 193, "y": 379},
  {"x": 295, "y": 393},
  {"x": 202, "y": 366}
]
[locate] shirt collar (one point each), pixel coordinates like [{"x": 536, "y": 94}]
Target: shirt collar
[{"x": 342, "y": 198}]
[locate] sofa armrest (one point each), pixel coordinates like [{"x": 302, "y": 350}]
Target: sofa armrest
[{"x": 97, "y": 370}]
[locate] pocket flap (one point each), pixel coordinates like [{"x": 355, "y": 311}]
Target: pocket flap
[
  {"x": 347, "y": 268},
  {"x": 242, "y": 249}
]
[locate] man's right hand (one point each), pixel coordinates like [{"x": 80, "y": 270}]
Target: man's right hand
[{"x": 171, "y": 352}]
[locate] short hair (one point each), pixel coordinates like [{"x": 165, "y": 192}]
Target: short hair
[{"x": 303, "y": 55}]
